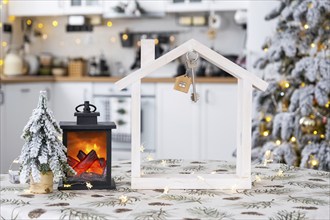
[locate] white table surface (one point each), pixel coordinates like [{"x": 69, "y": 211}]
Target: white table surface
[{"x": 296, "y": 194}]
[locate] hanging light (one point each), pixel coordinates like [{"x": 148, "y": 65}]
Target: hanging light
[
  {"x": 55, "y": 23},
  {"x": 278, "y": 142}
]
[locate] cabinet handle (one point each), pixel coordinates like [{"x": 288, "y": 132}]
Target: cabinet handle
[
  {"x": 207, "y": 94},
  {"x": 25, "y": 90},
  {"x": 2, "y": 97}
]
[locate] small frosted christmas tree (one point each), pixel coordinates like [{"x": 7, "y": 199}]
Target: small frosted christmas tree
[
  {"x": 43, "y": 150},
  {"x": 292, "y": 120}
]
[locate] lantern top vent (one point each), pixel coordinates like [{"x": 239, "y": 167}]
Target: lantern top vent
[{"x": 88, "y": 115}]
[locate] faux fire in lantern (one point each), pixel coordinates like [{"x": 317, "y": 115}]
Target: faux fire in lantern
[{"x": 88, "y": 145}]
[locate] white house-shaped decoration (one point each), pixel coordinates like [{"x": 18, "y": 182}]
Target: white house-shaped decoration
[{"x": 246, "y": 80}]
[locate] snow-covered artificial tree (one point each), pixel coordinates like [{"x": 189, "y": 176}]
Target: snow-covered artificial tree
[
  {"x": 43, "y": 150},
  {"x": 292, "y": 118}
]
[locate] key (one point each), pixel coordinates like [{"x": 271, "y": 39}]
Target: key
[
  {"x": 192, "y": 63},
  {"x": 194, "y": 96}
]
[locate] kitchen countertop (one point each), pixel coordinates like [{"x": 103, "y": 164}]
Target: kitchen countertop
[{"x": 32, "y": 79}]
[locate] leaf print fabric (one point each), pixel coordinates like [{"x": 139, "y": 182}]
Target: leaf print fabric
[{"x": 279, "y": 192}]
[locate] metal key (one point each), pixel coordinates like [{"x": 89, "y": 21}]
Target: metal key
[{"x": 192, "y": 62}]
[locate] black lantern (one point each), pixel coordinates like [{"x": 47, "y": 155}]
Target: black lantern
[{"x": 88, "y": 145}]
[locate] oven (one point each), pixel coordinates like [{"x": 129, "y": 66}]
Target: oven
[{"x": 115, "y": 106}]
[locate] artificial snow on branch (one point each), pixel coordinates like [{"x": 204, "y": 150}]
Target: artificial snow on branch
[{"x": 43, "y": 150}]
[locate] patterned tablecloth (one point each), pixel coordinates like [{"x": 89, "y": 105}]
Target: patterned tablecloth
[{"x": 279, "y": 192}]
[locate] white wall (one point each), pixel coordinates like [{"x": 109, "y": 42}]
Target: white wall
[
  {"x": 230, "y": 38},
  {"x": 258, "y": 28}
]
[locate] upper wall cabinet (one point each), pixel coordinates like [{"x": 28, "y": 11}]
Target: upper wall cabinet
[
  {"x": 55, "y": 7},
  {"x": 83, "y": 7},
  {"x": 181, "y": 6},
  {"x": 133, "y": 9},
  {"x": 36, "y": 8}
]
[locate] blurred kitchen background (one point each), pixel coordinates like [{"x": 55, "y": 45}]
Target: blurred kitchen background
[{"x": 77, "y": 49}]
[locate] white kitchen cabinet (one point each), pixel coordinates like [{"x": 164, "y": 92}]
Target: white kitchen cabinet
[
  {"x": 36, "y": 8},
  {"x": 67, "y": 96},
  {"x": 84, "y": 7},
  {"x": 202, "y": 130},
  {"x": 19, "y": 101},
  {"x": 205, "y": 5},
  {"x": 152, "y": 8},
  {"x": 178, "y": 121},
  {"x": 55, "y": 7},
  {"x": 218, "y": 121}
]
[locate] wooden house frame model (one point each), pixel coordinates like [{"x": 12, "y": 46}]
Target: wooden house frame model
[{"x": 246, "y": 80}]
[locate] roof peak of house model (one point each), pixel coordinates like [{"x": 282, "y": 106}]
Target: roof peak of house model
[{"x": 206, "y": 53}]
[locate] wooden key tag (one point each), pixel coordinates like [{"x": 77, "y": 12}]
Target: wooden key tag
[{"x": 182, "y": 83}]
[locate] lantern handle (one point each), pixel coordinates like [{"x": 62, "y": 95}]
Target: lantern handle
[{"x": 86, "y": 108}]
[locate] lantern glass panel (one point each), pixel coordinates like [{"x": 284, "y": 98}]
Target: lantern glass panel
[{"x": 87, "y": 155}]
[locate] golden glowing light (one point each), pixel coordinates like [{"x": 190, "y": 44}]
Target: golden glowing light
[
  {"x": 268, "y": 118},
  {"x": 258, "y": 179},
  {"x": 109, "y": 23},
  {"x": 1, "y": 62},
  {"x": 89, "y": 185},
  {"x": 312, "y": 116},
  {"x": 29, "y": 22},
  {"x": 11, "y": 18},
  {"x": 314, "y": 163},
  {"x": 44, "y": 36},
  {"x": 327, "y": 105},
  {"x": 78, "y": 41},
  {"x": 309, "y": 142},
  {"x": 124, "y": 37},
  {"x": 306, "y": 26},
  {"x": 315, "y": 132},
  {"x": 265, "y": 49},
  {"x": 156, "y": 41},
  {"x": 4, "y": 43},
  {"x": 149, "y": 158},
  {"x": 312, "y": 45},
  {"x": 302, "y": 84},
  {"x": 55, "y": 23},
  {"x": 172, "y": 38},
  {"x": 280, "y": 173},
  {"x": 278, "y": 142},
  {"x": 327, "y": 28},
  {"x": 166, "y": 189},
  {"x": 265, "y": 133},
  {"x": 286, "y": 84},
  {"x": 123, "y": 199},
  {"x": 293, "y": 139},
  {"x": 0, "y": 24},
  {"x": 322, "y": 136},
  {"x": 310, "y": 5},
  {"x": 113, "y": 39},
  {"x": 5, "y": 2},
  {"x": 268, "y": 154},
  {"x": 40, "y": 25}
]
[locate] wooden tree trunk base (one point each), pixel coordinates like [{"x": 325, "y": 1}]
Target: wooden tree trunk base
[{"x": 44, "y": 186}]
